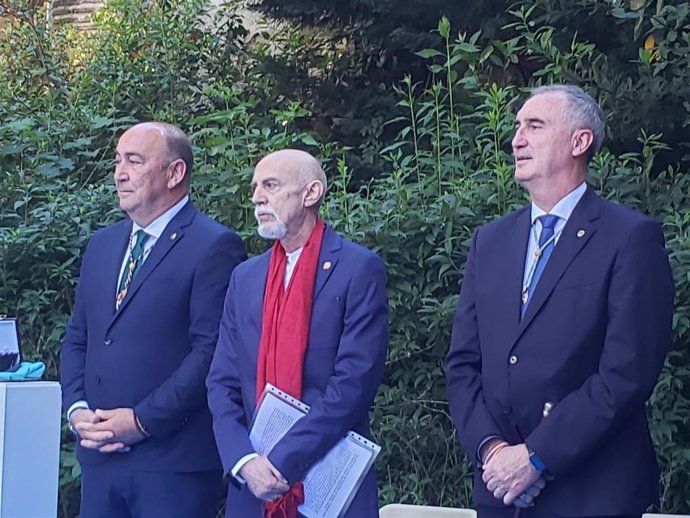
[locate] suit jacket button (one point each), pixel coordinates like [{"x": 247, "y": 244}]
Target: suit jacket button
[
  {"x": 513, "y": 360},
  {"x": 108, "y": 341}
]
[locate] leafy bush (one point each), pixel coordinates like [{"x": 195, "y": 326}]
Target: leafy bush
[{"x": 450, "y": 171}]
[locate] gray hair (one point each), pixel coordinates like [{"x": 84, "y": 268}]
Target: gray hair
[
  {"x": 311, "y": 170},
  {"x": 581, "y": 112},
  {"x": 177, "y": 143}
]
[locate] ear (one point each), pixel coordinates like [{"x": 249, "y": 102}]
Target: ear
[
  {"x": 313, "y": 193},
  {"x": 176, "y": 173},
  {"x": 581, "y": 141}
]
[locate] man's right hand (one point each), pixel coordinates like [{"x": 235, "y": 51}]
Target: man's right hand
[
  {"x": 82, "y": 420},
  {"x": 530, "y": 494},
  {"x": 263, "y": 479}
]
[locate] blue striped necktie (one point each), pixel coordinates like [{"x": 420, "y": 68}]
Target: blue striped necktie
[{"x": 548, "y": 226}]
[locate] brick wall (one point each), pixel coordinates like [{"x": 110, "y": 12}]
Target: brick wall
[
  {"x": 75, "y": 11},
  {"x": 79, "y": 13}
]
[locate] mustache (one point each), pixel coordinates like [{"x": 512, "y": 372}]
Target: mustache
[{"x": 259, "y": 211}]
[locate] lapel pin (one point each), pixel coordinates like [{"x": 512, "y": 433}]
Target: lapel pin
[
  {"x": 173, "y": 236},
  {"x": 327, "y": 265},
  {"x": 581, "y": 233}
]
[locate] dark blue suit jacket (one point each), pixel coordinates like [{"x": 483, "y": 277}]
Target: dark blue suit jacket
[
  {"x": 344, "y": 361},
  {"x": 153, "y": 354},
  {"x": 593, "y": 340}
]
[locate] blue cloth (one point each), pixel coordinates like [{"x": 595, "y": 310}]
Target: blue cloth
[
  {"x": 27, "y": 371},
  {"x": 106, "y": 490}
]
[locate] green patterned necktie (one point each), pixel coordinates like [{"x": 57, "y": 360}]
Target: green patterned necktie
[{"x": 134, "y": 262}]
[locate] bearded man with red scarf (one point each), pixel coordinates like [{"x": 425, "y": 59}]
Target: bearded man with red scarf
[{"x": 309, "y": 316}]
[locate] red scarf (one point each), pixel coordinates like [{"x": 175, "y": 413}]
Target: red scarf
[{"x": 284, "y": 335}]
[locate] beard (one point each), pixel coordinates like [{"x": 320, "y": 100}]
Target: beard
[{"x": 272, "y": 230}]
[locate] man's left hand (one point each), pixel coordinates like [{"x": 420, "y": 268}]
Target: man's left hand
[
  {"x": 510, "y": 473},
  {"x": 120, "y": 421}
]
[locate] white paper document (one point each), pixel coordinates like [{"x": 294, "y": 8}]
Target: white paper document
[{"x": 332, "y": 482}]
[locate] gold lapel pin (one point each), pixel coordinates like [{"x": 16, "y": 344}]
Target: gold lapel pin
[
  {"x": 327, "y": 265},
  {"x": 581, "y": 233},
  {"x": 173, "y": 236}
]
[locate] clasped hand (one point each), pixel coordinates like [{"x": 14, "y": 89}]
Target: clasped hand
[
  {"x": 263, "y": 479},
  {"x": 510, "y": 476},
  {"x": 107, "y": 431}
]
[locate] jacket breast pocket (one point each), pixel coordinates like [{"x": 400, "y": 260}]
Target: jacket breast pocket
[
  {"x": 578, "y": 281},
  {"x": 326, "y": 325}
]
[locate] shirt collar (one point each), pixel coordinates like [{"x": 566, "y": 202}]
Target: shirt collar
[
  {"x": 157, "y": 226},
  {"x": 294, "y": 255},
  {"x": 565, "y": 206}
]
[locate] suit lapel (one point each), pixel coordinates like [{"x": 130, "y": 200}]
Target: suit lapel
[
  {"x": 579, "y": 229},
  {"x": 112, "y": 260},
  {"x": 257, "y": 288},
  {"x": 511, "y": 270},
  {"x": 328, "y": 258},
  {"x": 173, "y": 234}
]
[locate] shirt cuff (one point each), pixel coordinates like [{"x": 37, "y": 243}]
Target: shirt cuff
[
  {"x": 76, "y": 406},
  {"x": 235, "y": 471},
  {"x": 482, "y": 443}
]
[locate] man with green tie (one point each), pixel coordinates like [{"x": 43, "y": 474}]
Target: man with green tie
[{"x": 140, "y": 340}]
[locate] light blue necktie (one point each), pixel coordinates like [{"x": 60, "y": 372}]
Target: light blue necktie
[{"x": 548, "y": 225}]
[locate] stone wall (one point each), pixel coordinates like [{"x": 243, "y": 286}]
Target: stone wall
[{"x": 77, "y": 12}]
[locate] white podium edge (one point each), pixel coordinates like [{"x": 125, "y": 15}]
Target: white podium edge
[{"x": 3, "y": 392}]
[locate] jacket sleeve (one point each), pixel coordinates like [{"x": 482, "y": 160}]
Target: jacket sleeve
[
  {"x": 463, "y": 367},
  {"x": 73, "y": 347},
  {"x": 230, "y": 423}
]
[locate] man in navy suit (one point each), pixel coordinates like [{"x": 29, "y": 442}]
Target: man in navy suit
[
  {"x": 141, "y": 337},
  {"x": 327, "y": 342},
  {"x": 561, "y": 329}
]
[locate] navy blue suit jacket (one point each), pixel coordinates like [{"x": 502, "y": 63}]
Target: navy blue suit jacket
[
  {"x": 343, "y": 365},
  {"x": 153, "y": 354},
  {"x": 593, "y": 340}
]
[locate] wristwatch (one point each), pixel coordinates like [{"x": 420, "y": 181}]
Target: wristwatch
[{"x": 536, "y": 461}]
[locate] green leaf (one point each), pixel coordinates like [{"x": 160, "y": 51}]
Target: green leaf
[
  {"x": 428, "y": 53},
  {"x": 308, "y": 140},
  {"x": 444, "y": 27}
]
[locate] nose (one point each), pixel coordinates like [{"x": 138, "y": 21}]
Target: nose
[
  {"x": 519, "y": 140},
  {"x": 258, "y": 197},
  {"x": 120, "y": 173}
]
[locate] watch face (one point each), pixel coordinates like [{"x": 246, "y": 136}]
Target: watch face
[{"x": 10, "y": 356}]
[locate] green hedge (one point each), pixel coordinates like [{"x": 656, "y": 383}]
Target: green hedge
[{"x": 449, "y": 171}]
